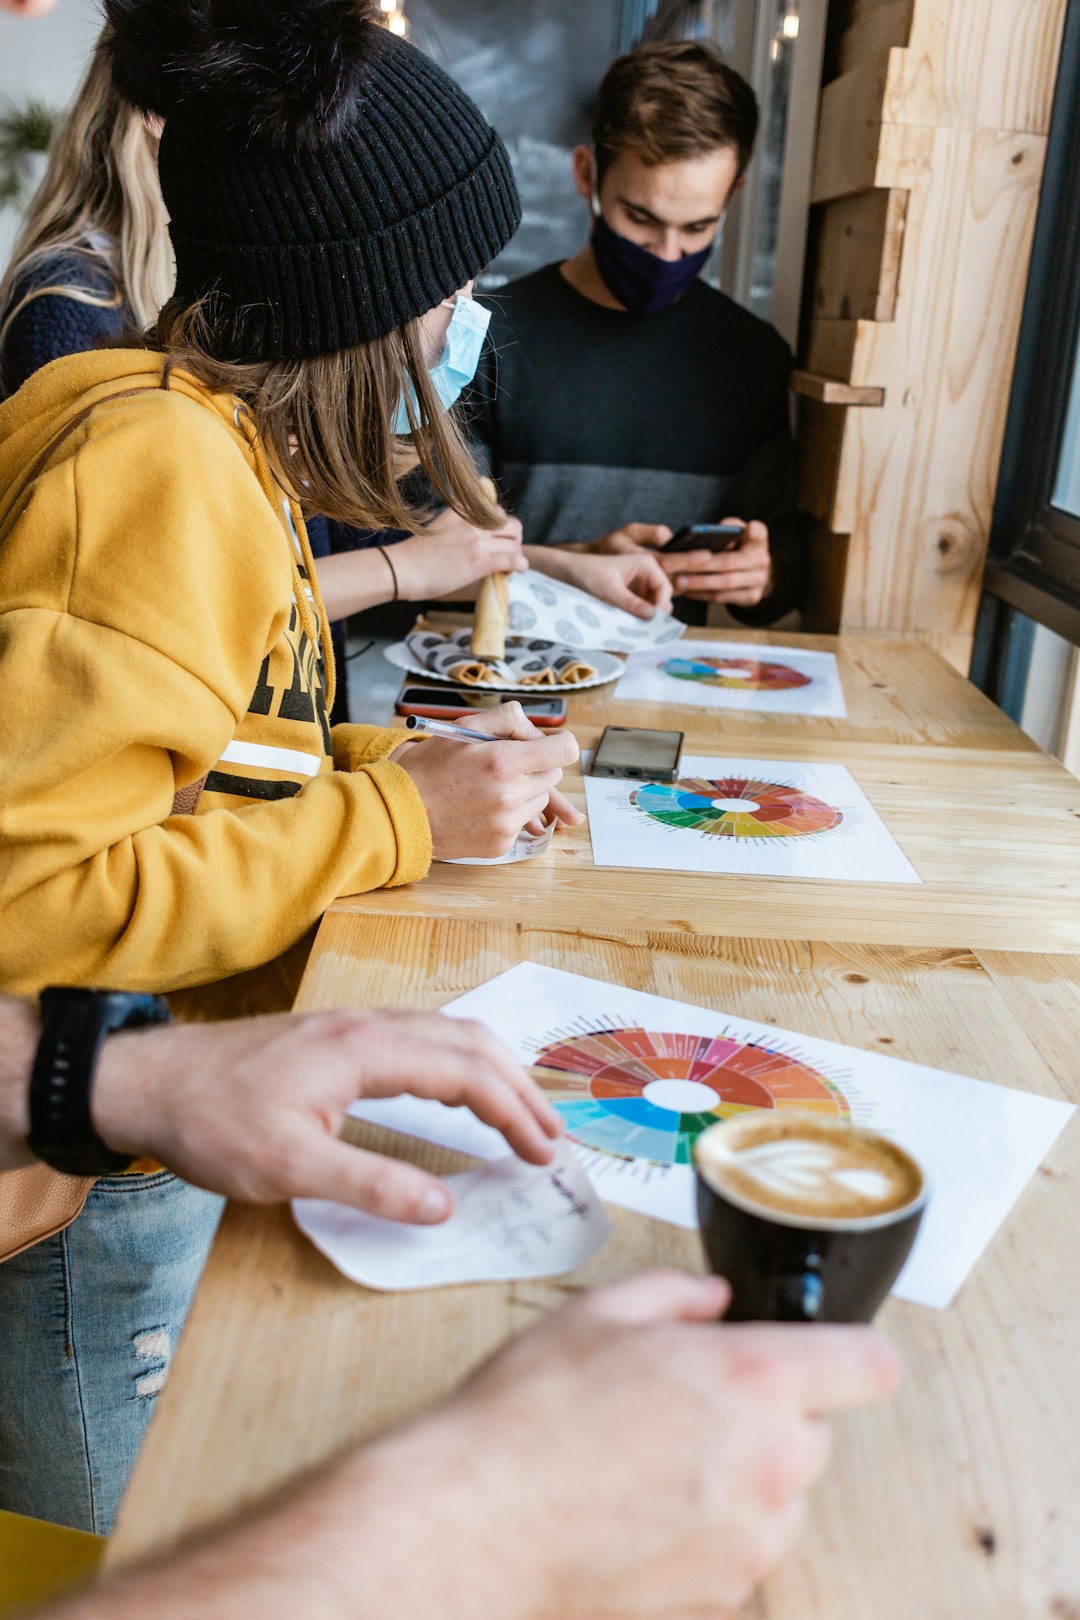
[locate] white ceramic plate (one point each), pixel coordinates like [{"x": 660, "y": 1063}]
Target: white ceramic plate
[{"x": 608, "y": 668}]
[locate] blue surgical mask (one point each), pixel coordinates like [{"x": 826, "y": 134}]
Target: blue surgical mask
[
  {"x": 640, "y": 281},
  {"x": 464, "y": 342}
]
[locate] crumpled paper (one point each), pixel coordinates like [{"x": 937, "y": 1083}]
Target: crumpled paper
[{"x": 511, "y": 1220}]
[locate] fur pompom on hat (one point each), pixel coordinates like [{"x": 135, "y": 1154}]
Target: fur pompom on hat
[
  {"x": 145, "y": 50},
  {"x": 325, "y": 181}
]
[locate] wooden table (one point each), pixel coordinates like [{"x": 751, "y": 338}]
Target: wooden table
[
  {"x": 990, "y": 822},
  {"x": 896, "y": 692},
  {"x": 993, "y": 833},
  {"x": 961, "y": 1499}
]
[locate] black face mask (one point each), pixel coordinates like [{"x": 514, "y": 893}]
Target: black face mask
[{"x": 640, "y": 281}]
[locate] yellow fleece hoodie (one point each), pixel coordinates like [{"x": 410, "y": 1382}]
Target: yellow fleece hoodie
[{"x": 150, "y": 636}]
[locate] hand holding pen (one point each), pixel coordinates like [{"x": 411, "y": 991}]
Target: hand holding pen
[
  {"x": 447, "y": 728},
  {"x": 479, "y": 799}
]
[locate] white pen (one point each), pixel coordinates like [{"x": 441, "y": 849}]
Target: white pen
[{"x": 445, "y": 728}]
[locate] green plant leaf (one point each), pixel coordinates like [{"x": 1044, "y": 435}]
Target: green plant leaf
[{"x": 24, "y": 131}]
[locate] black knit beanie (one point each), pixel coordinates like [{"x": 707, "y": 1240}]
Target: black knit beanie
[{"x": 325, "y": 179}]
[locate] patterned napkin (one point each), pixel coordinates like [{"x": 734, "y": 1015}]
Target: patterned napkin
[
  {"x": 540, "y": 606},
  {"x": 527, "y": 662}
]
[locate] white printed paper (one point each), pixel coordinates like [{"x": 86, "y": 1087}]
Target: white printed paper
[
  {"x": 759, "y": 817},
  {"x": 549, "y": 609},
  {"x": 510, "y": 1220},
  {"x": 749, "y": 676},
  {"x": 619, "y": 1063}
]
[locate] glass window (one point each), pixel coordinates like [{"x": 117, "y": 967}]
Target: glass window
[
  {"x": 533, "y": 67},
  {"x": 1066, "y": 495},
  {"x": 1033, "y": 563}
]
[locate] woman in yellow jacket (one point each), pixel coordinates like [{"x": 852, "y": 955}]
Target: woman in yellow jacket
[{"x": 175, "y": 811}]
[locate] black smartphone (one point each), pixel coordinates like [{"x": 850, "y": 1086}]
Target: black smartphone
[
  {"x": 436, "y": 703},
  {"x": 707, "y": 537},
  {"x": 636, "y": 752}
]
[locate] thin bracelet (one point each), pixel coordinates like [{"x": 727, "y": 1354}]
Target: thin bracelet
[{"x": 385, "y": 555}]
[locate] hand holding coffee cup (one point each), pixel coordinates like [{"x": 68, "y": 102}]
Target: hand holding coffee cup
[{"x": 809, "y": 1219}]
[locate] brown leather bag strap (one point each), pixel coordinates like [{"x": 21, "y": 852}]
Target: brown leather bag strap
[
  {"x": 186, "y": 799},
  {"x": 36, "y": 1203}
]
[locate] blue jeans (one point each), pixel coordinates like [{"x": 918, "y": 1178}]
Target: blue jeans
[{"x": 88, "y": 1323}]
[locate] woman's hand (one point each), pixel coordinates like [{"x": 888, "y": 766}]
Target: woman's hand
[
  {"x": 452, "y": 554},
  {"x": 631, "y": 580},
  {"x": 478, "y": 796}
]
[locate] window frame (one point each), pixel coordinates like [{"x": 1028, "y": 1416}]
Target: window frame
[{"x": 1033, "y": 560}]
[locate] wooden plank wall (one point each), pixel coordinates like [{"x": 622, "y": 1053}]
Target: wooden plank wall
[{"x": 930, "y": 151}]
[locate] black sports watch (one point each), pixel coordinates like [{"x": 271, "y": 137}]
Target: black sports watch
[{"x": 74, "y": 1024}]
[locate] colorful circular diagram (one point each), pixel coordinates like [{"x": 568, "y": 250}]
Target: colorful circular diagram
[
  {"x": 737, "y": 674},
  {"x": 646, "y": 1094},
  {"x": 736, "y": 807}
]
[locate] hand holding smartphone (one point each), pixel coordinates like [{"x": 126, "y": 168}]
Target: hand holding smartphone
[
  {"x": 714, "y": 537},
  {"x": 730, "y": 562}
]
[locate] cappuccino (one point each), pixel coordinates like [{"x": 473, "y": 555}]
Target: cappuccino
[{"x": 808, "y": 1170}]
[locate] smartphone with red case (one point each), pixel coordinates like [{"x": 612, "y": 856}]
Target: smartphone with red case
[{"x": 440, "y": 703}]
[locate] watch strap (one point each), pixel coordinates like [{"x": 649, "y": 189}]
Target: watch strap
[{"x": 74, "y": 1025}]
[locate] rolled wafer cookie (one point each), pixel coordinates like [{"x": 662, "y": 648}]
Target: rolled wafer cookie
[
  {"x": 492, "y": 616},
  {"x": 471, "y": 674},
  {"x": 527, "y": 663}
]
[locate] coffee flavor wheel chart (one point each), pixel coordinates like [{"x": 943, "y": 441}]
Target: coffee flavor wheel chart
[
  {"x": 737, "y": 674},
  {"x": 646, "y": 1094},
  {"x": 736, "y": 807}
]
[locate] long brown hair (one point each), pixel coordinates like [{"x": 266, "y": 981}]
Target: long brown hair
[
  {"x": 99, "y": 198},
  {"x": 326, "y": 422}
]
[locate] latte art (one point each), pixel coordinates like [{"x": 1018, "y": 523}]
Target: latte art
[
  {"x": 797, "y": 1165},
  {"x": 812, "y": 1172}
]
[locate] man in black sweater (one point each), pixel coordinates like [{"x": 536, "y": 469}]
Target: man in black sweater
[{"x": 620, "y": 396}]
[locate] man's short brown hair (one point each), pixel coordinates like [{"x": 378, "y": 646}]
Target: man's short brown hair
[{"x": 672, "y": 100}]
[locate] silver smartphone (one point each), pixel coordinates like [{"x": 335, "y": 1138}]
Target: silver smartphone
[{"x": 636, "y": 752}]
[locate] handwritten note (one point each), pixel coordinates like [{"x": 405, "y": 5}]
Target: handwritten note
[{"x": 510, "y": 1220}]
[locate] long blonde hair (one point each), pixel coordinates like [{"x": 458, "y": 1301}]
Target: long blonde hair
[{"x": 101, "y": 181}]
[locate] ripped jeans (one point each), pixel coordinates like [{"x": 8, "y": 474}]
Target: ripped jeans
[{"x": 88, "y": 1323}]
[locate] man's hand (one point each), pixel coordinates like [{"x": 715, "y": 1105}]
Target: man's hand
[
  {"x": 478, "y": 796},
  {"x": 633, "y": 581},
  {"x": 452, "y": 555},
  {"x": 253, "y": 1108},
  {"x": 741, "y": 578},
  {"x": 629, "y": 1456}
]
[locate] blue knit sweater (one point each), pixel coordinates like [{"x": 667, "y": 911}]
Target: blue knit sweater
[{"x": 54, "y": 325}]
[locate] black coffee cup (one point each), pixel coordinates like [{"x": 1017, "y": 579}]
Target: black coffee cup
[{"x": 794, "y": 1264}]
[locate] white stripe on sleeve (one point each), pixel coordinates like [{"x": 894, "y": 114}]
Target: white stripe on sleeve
[{"x": 272, "y": 759}]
